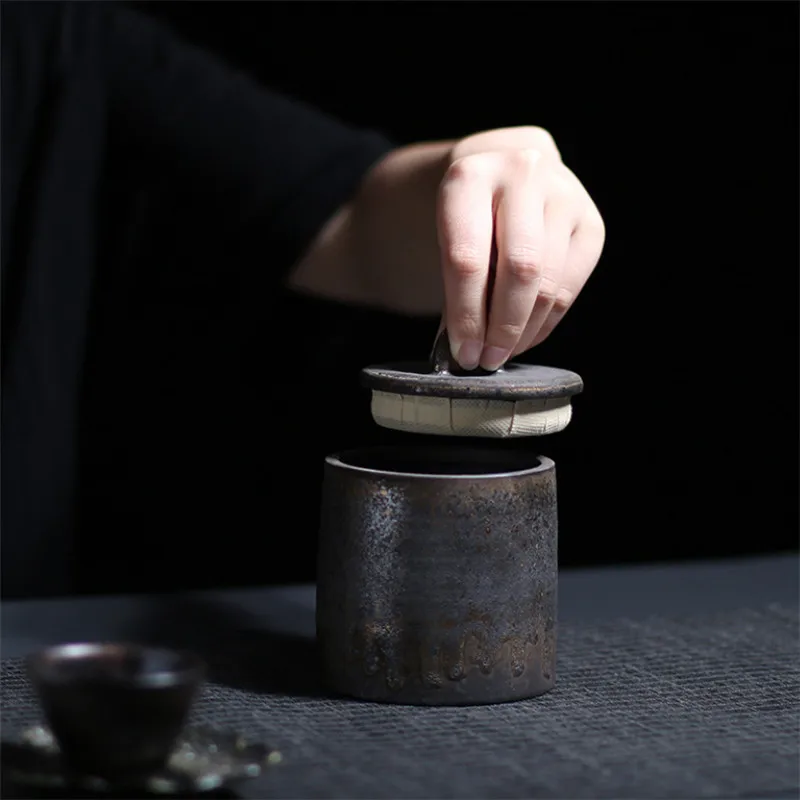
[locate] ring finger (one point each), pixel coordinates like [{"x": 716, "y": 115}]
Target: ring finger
[{"x": 560, "y": 224}]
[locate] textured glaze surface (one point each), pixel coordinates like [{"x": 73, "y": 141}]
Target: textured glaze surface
[{"x": 438, "y": 588}]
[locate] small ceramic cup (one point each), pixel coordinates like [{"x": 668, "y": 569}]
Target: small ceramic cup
[{"x": 115, "y": 710}]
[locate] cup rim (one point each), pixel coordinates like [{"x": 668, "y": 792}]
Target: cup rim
[{"x": 186, "y": 668}]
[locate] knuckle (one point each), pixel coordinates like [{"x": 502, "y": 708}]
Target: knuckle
[
  {"x": 524, "y": 264},
  {"x": 467, "y": 168},
  {"x": 524, "y": 161},
  {"x": 544, "y": 139},
  {"x": 465, "y": 261},
  {"x": 504, "y": 334},
  {"x": 562, "y": 301},
  {"x": 557, "y": 299},
  {"x": 548, "y": 291}
]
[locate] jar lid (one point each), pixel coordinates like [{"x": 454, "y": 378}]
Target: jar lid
[
  {"x": 438, "y": 397},
  {"x": 512, "y": 382}
]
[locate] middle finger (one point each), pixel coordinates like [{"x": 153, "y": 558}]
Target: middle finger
[{"x": 521, "y": 248}]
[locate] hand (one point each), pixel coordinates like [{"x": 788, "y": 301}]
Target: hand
[
  {"x": 510, "y": 188},
  {"x": 433, "y": 210}
]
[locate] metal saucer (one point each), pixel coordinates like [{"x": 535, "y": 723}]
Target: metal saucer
[{"x": 203, "y": 761}]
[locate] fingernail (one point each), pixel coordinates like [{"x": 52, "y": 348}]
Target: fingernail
[
  {"x": 493, "y": 358},
  {"x": 469, "y": 354}
]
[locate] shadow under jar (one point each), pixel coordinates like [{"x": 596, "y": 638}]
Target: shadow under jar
[{"x": 437, "y": 575}]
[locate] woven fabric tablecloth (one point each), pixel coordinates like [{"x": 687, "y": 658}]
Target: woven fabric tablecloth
[{"x": 662, "y": 708}]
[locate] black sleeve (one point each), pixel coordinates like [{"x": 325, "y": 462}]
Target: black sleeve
[
  {"x": 254, "y": 155},
  {"x": 106, "y": 120}
]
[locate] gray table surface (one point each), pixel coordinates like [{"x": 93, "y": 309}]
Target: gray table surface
[{"x": 585, "y": 596}]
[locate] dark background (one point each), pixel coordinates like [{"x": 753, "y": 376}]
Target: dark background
[{"x": 205, "y": 452}]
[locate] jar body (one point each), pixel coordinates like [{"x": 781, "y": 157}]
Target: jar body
[{"x": 437, "y": 575}]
